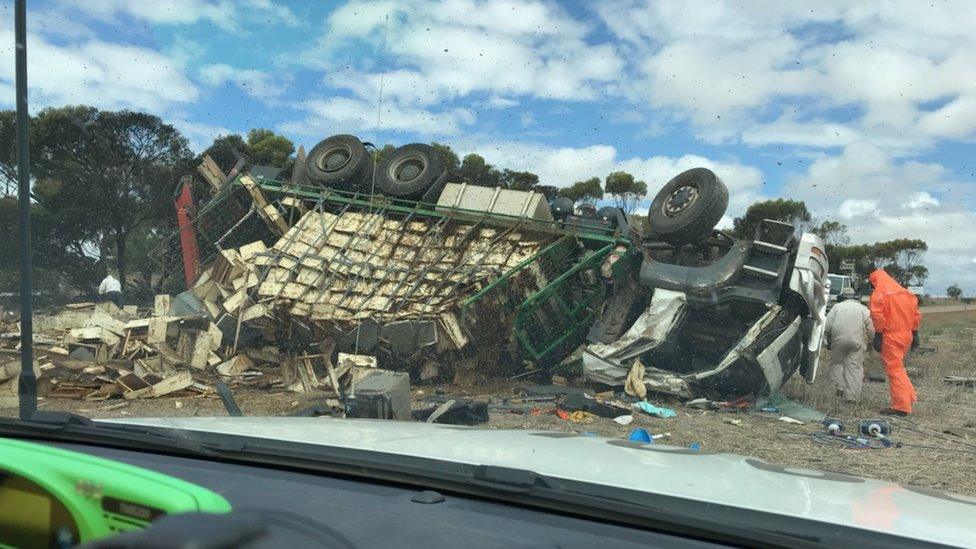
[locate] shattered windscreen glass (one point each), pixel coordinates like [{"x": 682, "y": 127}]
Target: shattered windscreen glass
[{"x": 730, "y": 227}]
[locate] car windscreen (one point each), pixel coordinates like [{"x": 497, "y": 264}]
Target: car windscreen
[{"x": 611, "y": 218}]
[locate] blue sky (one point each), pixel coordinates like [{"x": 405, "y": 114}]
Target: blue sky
[{"x": 866, "y": 111}]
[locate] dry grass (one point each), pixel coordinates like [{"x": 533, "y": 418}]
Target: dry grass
[{"x": 928, "y": 457}]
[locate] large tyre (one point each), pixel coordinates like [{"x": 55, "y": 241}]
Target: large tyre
[
  {"x": 409, "y": 171},
  {"x": 562, "y": 207},
  {"x": 339, "y": 162},
  {"x": 688, "y": 207}
]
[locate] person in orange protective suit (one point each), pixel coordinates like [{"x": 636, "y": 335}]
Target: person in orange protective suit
[{"x": 894, "y": 311}]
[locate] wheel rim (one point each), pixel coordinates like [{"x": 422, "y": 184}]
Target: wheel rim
[
  {"x": 680, "y": 200},
  {"x": 334, "y": 159},
  {"x": 407, "y": 168}
]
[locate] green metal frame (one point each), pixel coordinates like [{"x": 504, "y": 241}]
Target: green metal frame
[
  {"x": 428, "y": 209},
  {"x": 577, "y": 311},
  {"x": 502, "y": 281}
]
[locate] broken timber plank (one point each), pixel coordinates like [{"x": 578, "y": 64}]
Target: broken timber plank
[
  {"x": 215, "y": 336},
  {"x": 256, "y": 194},
  {"x": 213, "y": 309},
  {"x": 158, "y": 326},
  {"x": 201, "y": 351},
  {"x": 235, "y": 366},
  {"x": 310, "y": 372},
  {"x": 161, "y": 304},
  {"x": 132, "y": 382},
  {"x": 125, "y": 344},
  {"x": 274, "y": 219},
  {"x": 248, "y": 251},
  {"x": 137, "y": 324},
  {"x": 171, "y": 384},
  {"x": 211, "y": 172}
]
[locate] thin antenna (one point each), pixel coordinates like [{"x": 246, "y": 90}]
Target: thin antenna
[
  {"x": 379, "y": 120},
  {"x": 27, "y": 383}
]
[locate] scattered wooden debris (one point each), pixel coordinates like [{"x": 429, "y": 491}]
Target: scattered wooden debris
[
  {"x": 164, "y": 387},
  {"x": 966, "y": 381},
  {"x": 236, "y": 366}
]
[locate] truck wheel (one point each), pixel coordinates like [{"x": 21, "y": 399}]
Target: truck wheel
[
  {"x": 609, "y": 215},
  {"x": 562, "y": 207},
  {"x": 339, "y": 162},
  {"x": 688, "y": 207},
  {"x": 409, "y": 171}
]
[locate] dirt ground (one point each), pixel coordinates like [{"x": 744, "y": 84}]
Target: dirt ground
[{"x": 928, "y": 456}]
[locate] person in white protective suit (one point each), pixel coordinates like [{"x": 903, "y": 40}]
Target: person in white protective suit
[{"x": 848, "y": 331}]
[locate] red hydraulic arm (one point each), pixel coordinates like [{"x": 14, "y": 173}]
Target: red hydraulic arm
[{"x": 188, "y": 237}]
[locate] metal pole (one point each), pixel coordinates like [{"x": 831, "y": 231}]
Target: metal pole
[{"x": 28, "y": 382}]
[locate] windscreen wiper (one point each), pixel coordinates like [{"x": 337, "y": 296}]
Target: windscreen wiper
[{"x": 71, "y": 427}]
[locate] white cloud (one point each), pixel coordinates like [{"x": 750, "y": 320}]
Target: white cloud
[
  {"x": 705, "y": 78},
  {"x": 892, "y": 74},
  {"x": 163, "y": 13},
  {"x": 788, "y": 131},
  {"x": 98, "y": 73},
  {"x": 224, "y": 14},
  {"x": 255, "y": 83},
  {"x": 200, "y": 135},
  {"x": 448, "y": 50},
  {"x": 864, "y": 172},
  {"x": 852, "y": 208},
  {"x": 947, "y": 236},
  {"x": 499, "y": 102},
  {"x": 728, "y": 67},
  {"x": 54, "y": 23},
  {"x": 883, "y": 198},
  {"x": 922, "y": 200},
  {"x": 270, "y": 10},
  {"x": 954, "y": 120},
  {"x": 561, "y": 166},
  {"x": 353, "y": 115}
]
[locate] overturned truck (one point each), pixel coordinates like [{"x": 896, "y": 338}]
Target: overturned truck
[
  {"x": 442, "y": 278},
  {"x": 709, "y": 315}
]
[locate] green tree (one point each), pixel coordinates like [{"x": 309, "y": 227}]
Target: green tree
[
  {"x": 954, "y": 291},
  {"x": 448, "y": 158},
  {"x": 518, "y": 181},
  {"x": 103, "y": 175},
  {"x": 382, "y": 153},
  {"x": 549, "y": 191},
  {"x": 267, "y": 148},
  {"x": 833, "y": 233},
  {"x": 8, "y": 153},
  {"x": 789, "y": 211},
  {"x": 60, "y": 259},
  {"x": 918, "y": 274},
  {"x": 475, "y": 171},
  {"x": 626, "y": 192},
  {"x": 901, "y": 258},
  {"x": 589, "y": 190},
  {"x": 263, "y": 147},
  {"x": 222, "y": 150}
]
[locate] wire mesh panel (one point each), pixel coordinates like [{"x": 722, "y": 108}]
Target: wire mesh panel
[
  {"x": 346, "y": 258},
  {"x": 226, "y": 221},
  {"x": 556, "y": 317},
  {"x": 344, "y": 261}
]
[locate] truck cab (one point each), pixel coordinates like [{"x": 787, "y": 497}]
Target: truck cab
[{"x": 837, "y": 283}]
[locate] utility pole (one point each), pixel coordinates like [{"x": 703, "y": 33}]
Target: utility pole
[{"x": 27, "y": 386}]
